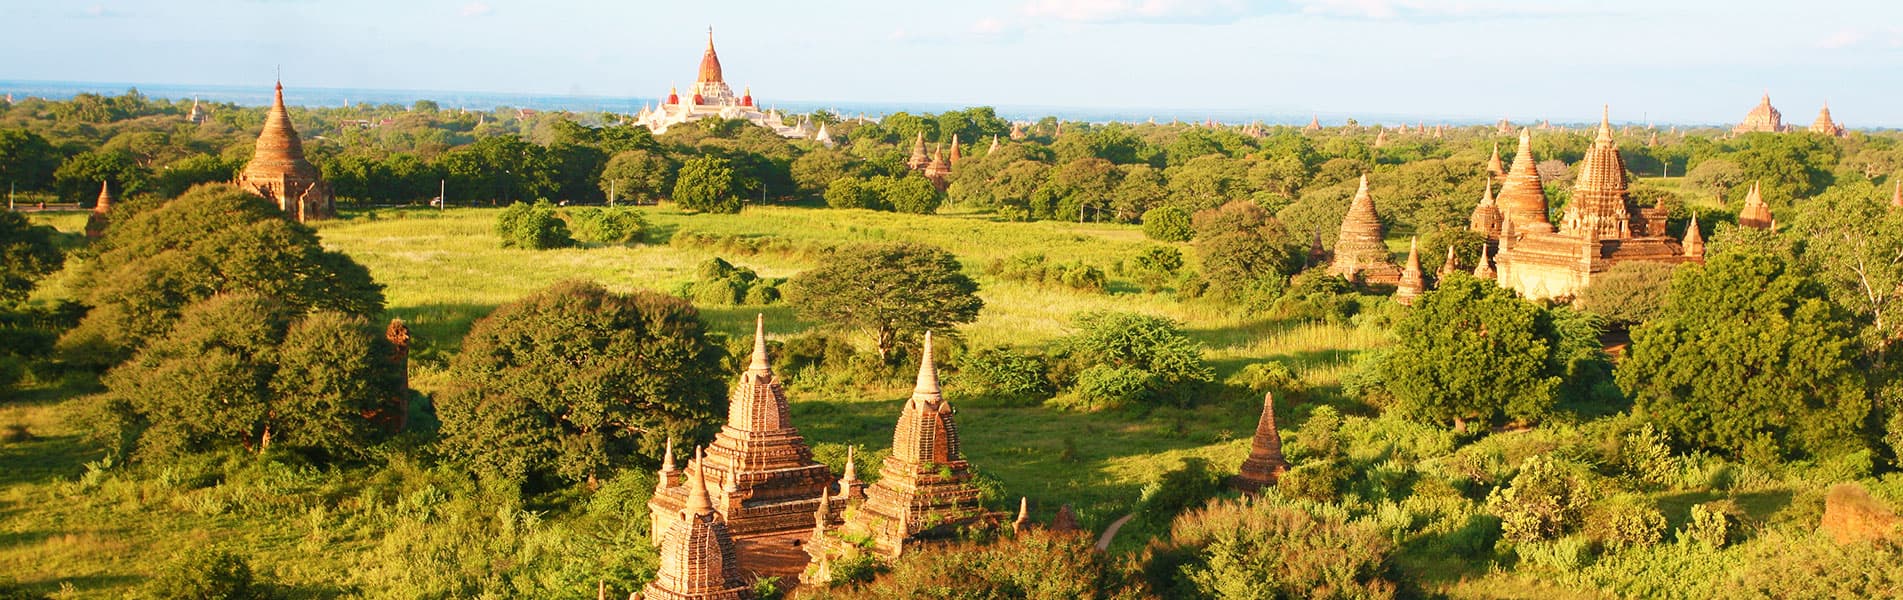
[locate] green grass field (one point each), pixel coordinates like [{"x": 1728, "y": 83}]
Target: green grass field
[{"x": 442, "y": 271}]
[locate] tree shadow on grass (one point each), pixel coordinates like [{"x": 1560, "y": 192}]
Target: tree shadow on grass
[{"x": 737, "y": 321}]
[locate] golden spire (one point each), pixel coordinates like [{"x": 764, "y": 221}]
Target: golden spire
[
  {"x": 697, "y": 502},
  {"x": 926, "y": 387},
  {"x": 759, "y": 364}
]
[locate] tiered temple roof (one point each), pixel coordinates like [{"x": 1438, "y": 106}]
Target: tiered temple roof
[
  {"x": 1265, "y": 464},
  {"x": 1449, "y": 266},
  {"x": 1314, "y": 124},
  {"x": 279, "y": 173},
  {"x": 1825, "y": 125},
  {"x": 1756, "y": 213},
  {"x": 1694, "y": 243},
  {"x": 1360, "y": 253},
  {"x": 1522, "y": 199},
  {"x": 1413, "y": 283},
  {"x": 938, "y": 171},
  {"x": 1486, "y": 216},
  {"x": 1762, "y": 119},
  {"x": 1601, "y": 228},
  {"x": 710, "y": 96},
  {"x": 925, "y": 485},
  {"x": 1484, "y": 269},
  {"x": 698, "y": 561},
  {"x": 1495, "y": 168},
  {"x": 919, "y": 158},
  {"x": 770, "y": 482}
]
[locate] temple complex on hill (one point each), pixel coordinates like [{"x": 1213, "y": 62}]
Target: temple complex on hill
[
  {"x": 1762, "y": 119},
  {"x": 698, "y": 558},
  {"x": 97, "y": 219},
  {"x": 710, "y": 97},
  {"x": 1360, "y": 254},
  {"x": 279, "y": 173},
  {"x": 925, "y": 488},
  {"x": 768, "y": 480},
  {"x": 1265, "y": 465},
  {"x": 1601, "y": 228}
]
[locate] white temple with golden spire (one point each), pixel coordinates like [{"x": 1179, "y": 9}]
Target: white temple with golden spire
[{"x": 711, "y": 97}]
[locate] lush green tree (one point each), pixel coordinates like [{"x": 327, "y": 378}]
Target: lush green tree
[
  {"x": 1270, "y": 548},
  {"x": 1853, "y": 241},
  {"x": 78, "y": 177},
  {"x": 814, "y": 171},
  {"x": 1033, "y": 565},
  {"x": 574, "y": 381},
  {"x": 207, "y": 574},
  {"x": 1155, "y": 267},
  {"x": 1471, "y": 350},
  {"x": 852, "y": 192},
  {"x": 1786, "y": 166},
  {"x": 501, "y": 168},
  {"x": 708, "y": 184},
  {"x": 246, "y": 370},
  {"x": 608, "y": 225},
  {"x": 1245, "y": 252},
  {"x": 1750, "y": 357},
  {"x": 532, "y": 226},
  {"x": 1717, "y": 175},
  {"x": 215, "y": 239},
  {"x": 1630, "y": 293},
  {"x": 1206, "y": 182},
  {"x": 911, "y": 194},
  {"x": 1543, "y": 501},
  {"x": 1148, "y": 351},
  {"x": 641, "y": 175},
  {"x": 27, "y": 161},
  {"x": 1168, "y": 224},
  {"x": 894, "y": 291},
  {"x": 1140, "y": 188},
  {"x": 27, "y": 253}
]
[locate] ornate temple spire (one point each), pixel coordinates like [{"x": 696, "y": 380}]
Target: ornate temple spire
[
  {"x": 1484, "y": 270},
  {"x": 698, "y": 561},
  {"x": 1486, "y": 216},
  {"x": 278, "y": 170},
  {"x": 97, "y": 220},
  {"x": 1522, "y": 199},
  {"x": 1265, "y": 464},
  {"x": 1600, "y": 209},
  {"x": 994, "y": 146},
  {"x": 1381, "y": 138},
  {"x": 104, "y": 204},
  {"x": 925, "y": 387},
  {"x": 1824, "y": 124},
  {"x": 852, "y": 470},
  {"x": 1452, "y": 264},
  {"x": 919, "y": 159},
  {"x": 1756, "y": 213},
  {"x": 1023, "y": 521},
  {"x": 955, "y": 154},
  {"x": 1495, "y": 168},
  {"x": 1412, "y": 283},
  {"x": 697, "y": 501},
  {"x": 759, "y": 364},
  {"x": 1359, "y": 246},
  {"x": 667, "y": 458},
  {"x": 1694, "y": 243},
  {"x": 710, "y": 62},
  {"x": 1314, "y": 124}
]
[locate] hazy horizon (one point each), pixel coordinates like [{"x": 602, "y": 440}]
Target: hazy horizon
[{"x": 1692, "y": 62}]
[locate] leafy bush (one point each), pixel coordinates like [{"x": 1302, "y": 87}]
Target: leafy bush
[
  {"x": 1710, "y": 524},
  {"x": 1034, "y": 268},
  {"x": 532, "y": 226},
  {"x": 1167, "y": 224},
  {"x": 1155, "y": 267},
  {"x": 1472, "y": 350},
  {"x": 723, "y": 284},
  {"x": 1132, "y": 357},
  {"x": 1271, "y": 376},
  {"x": 1542, "y": 503},
  {"x": 610, "y": 225},
  {"x": 1033, "y": 565},
  {"x": 207, "y": 574},
  {"x": 709, "y": 184},
  {"x": 1269, "y": 549},
  {"x": 1624, "y": 523},
  {"x": 1315, "y": 481},
  {"x": 1005, "y": 374}
]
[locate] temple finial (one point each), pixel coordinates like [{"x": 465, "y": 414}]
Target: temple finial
[
  {"x": 927, "y": 384},
  {"x": 759, "y": 364},
  {"x": 697, "y": 501}
]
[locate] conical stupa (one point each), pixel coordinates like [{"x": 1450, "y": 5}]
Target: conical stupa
[{"x": 279, "y": 173}]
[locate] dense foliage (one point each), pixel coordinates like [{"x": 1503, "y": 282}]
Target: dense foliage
[
  {"x": 893, "y": 291},
  {"x": 575, "y": 382},
  {"x": 1471, "y": 350}
]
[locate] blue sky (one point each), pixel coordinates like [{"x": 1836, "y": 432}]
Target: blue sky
[{"x": 1669, "y": 60}]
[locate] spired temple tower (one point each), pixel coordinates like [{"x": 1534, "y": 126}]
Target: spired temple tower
[
  {"x": 1486, "y": 216},
  {"x": 1825, "y": 125},
  {"x": 279, "y": 173},
  {"x": 769, "y": 481},
  {"x": 698, "y": 561},
  {"x": 1413, "y": 282},
  {"x": 1522, "y": 199},
  {"x": 1755, "y": 213},
  {"x": 1763, "y": 118},
  {"x": 711, "y": 97},
  {"x": 1265, "y": 464},
  {"x": 97, "y": 219},
  {"x": 1360, "y": 254},
  {"x": 1601, "y": 228},
  {"x": 925, "y": 488}
]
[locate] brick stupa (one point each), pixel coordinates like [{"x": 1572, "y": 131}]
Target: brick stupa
[
  {"x": 1413, "y": 283},
  {"x": 1265, "y": 464},
  {"x": 1360, "y": 254},
  {"x": 1755, "y": 213},
  {"x": 698, "y": 561},
  {"x": 97, "y": 219},
  {"x": 1763, "y": 118},
  {"x": 1601, "y": 228},
  {"x": 1486, "y": 216},
  {"x": 769, "y": 480},
  {"x": 1522, "y": 199},
  {"x": 925, "y": 488},
  {"x": 279, "y": 173}
]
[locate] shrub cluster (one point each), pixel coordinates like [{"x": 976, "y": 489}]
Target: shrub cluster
[
  {"x": 1034, "y": 268},
  {"x": 607, "y": 225},
  {"x": 720, "y": 283},
  {"x": 752, "y": 245},
  {"x": 532, "y": 226}
]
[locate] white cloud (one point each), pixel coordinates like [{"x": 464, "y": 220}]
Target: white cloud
[
  {"x": 988, "y": 26},
  {"x": 1841, "y": 38},
  {"x": 1889, "y": 37},
  {"x": 96, "y": 10},
  {"x": 1100, "y": 11},
  {"x": 477, "y": 9},
  {"x": 1395, "y": 9}
]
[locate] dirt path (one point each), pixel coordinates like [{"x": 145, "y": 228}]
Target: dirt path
[{"x": 1109, "y": 533}]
